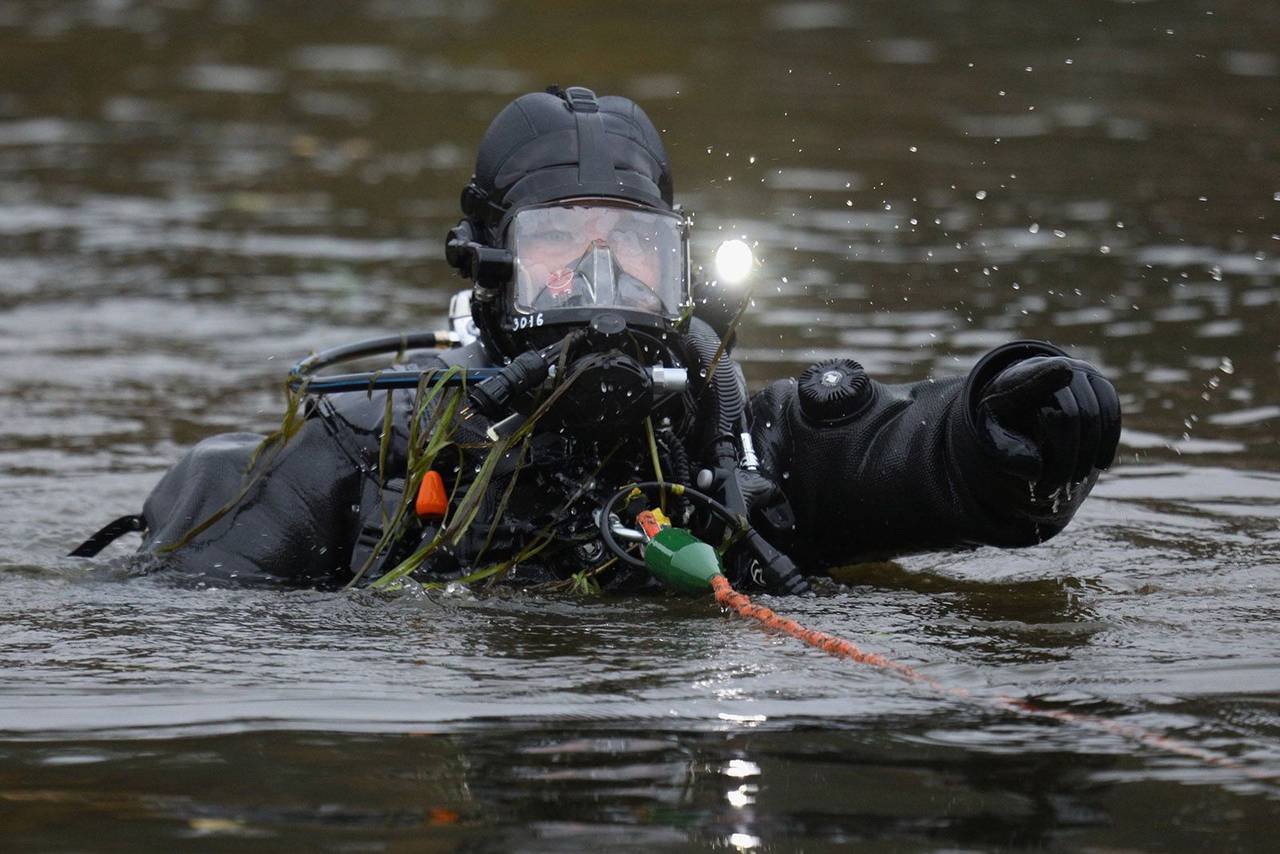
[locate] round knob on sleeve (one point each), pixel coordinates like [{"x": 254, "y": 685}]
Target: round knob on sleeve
[{"x": 834, "y": 391}]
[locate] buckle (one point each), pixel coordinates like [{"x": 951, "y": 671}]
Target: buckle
[{"x": 581, "y": 100}]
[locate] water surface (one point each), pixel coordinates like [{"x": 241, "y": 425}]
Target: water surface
[{"x": 193, "y": 195}]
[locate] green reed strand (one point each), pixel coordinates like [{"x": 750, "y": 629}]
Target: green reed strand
[{"x": 290, "y": 424}]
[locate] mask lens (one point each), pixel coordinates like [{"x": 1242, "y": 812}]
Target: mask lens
[{"x": 580, "y": 256}]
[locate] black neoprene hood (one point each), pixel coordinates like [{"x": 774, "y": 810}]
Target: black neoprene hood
[{"x": 544, "y": 147}]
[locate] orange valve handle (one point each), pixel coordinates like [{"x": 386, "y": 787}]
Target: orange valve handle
[{"x": 433, "y": 501}]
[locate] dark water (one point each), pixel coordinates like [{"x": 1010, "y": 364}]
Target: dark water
[{"x": 193, "y": 195}]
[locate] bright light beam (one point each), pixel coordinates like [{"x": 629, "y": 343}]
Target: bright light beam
[{"x": 734, "y": 262}]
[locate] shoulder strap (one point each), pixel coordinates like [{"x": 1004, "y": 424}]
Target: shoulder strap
[
  {"x": 378, "y": 508},
  {"x": 108, "y": 534}
]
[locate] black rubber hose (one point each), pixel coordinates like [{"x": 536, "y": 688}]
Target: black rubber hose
[
  {"x": 606, "y": 510},
  {"x": 781, "y": 573},
  {"x": 371, "y": 347},
  {"x": 722, "y": 405},
  {"x": 382, "y": 380},
  {"x": 788, "y": 577},
  {"x": 726, "y": 392},
  {"x": 681, "y": 468}
]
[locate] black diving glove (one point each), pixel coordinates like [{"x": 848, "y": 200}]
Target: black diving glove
[{"x": 1050, "y": 420}]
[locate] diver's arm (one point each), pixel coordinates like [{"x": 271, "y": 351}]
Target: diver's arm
[
  {"x": 293, "y": 517},
  {"x": 1003, "y": 457},
  {"x": 288, "y": 520}
]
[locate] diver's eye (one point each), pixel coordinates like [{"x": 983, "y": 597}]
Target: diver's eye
[{"x": 624, "y": 241}]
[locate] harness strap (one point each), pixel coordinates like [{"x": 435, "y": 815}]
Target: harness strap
[
  {"x": 109, "y": 533},
  {"x": 377, "y": 509}
]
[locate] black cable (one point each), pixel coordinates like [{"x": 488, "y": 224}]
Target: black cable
[
  {"x": 375, "y": 380},
  {"x": 606, "y": 510},
  {"x": 302, "y": 373},
  {"x": 370, "y": 347},
  {"x": 780, "y": 573},
  {"x": 677, "y": 465}
]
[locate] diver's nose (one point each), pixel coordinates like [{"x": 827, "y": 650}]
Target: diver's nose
[{"x": 599, "y": 273}]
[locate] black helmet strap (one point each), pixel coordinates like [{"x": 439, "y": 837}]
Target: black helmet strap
[{"x": 595, "y": 163}]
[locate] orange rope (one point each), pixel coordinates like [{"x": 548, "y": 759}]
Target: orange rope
[
  {"x": 743, "y": 607},
  {"x": 1133, "y": 732},
  {"x": 735, "y": 601}
]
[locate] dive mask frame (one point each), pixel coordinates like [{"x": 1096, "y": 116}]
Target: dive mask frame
[{"x": 517, "y": 317}]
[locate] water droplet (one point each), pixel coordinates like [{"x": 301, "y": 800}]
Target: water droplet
[
  {"x": 1034, "y": 228},
  {"x": 980, "y": 195},
  {"x": 1226, "y": 366}
]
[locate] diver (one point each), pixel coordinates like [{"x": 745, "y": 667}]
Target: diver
[{"x": 587, "y": 378}]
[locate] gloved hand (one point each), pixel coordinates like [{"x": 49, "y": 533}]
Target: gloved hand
[{"x": 1051, "y": 420}]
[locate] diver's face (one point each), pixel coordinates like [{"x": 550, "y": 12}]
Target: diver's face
[{"x": 553, "y": 250}]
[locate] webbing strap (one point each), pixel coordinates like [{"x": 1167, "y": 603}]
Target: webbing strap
[
  {"x": 109, "y": 533},
  {"x": 378, "y": 505},
  {"x": 595, "y": 163}
]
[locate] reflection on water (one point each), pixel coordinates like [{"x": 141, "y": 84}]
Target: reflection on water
[
  {"x": 193, "y": 195},
  {"x": 538, "y": 788}
]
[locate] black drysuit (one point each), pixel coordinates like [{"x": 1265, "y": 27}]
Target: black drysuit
[{"x": 907, "y": 469}]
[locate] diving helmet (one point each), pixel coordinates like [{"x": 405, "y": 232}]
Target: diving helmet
[{"x": 569, "y": 215}]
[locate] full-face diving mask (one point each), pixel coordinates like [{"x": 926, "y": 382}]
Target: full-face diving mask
[{"x": 576, "y": 258}]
